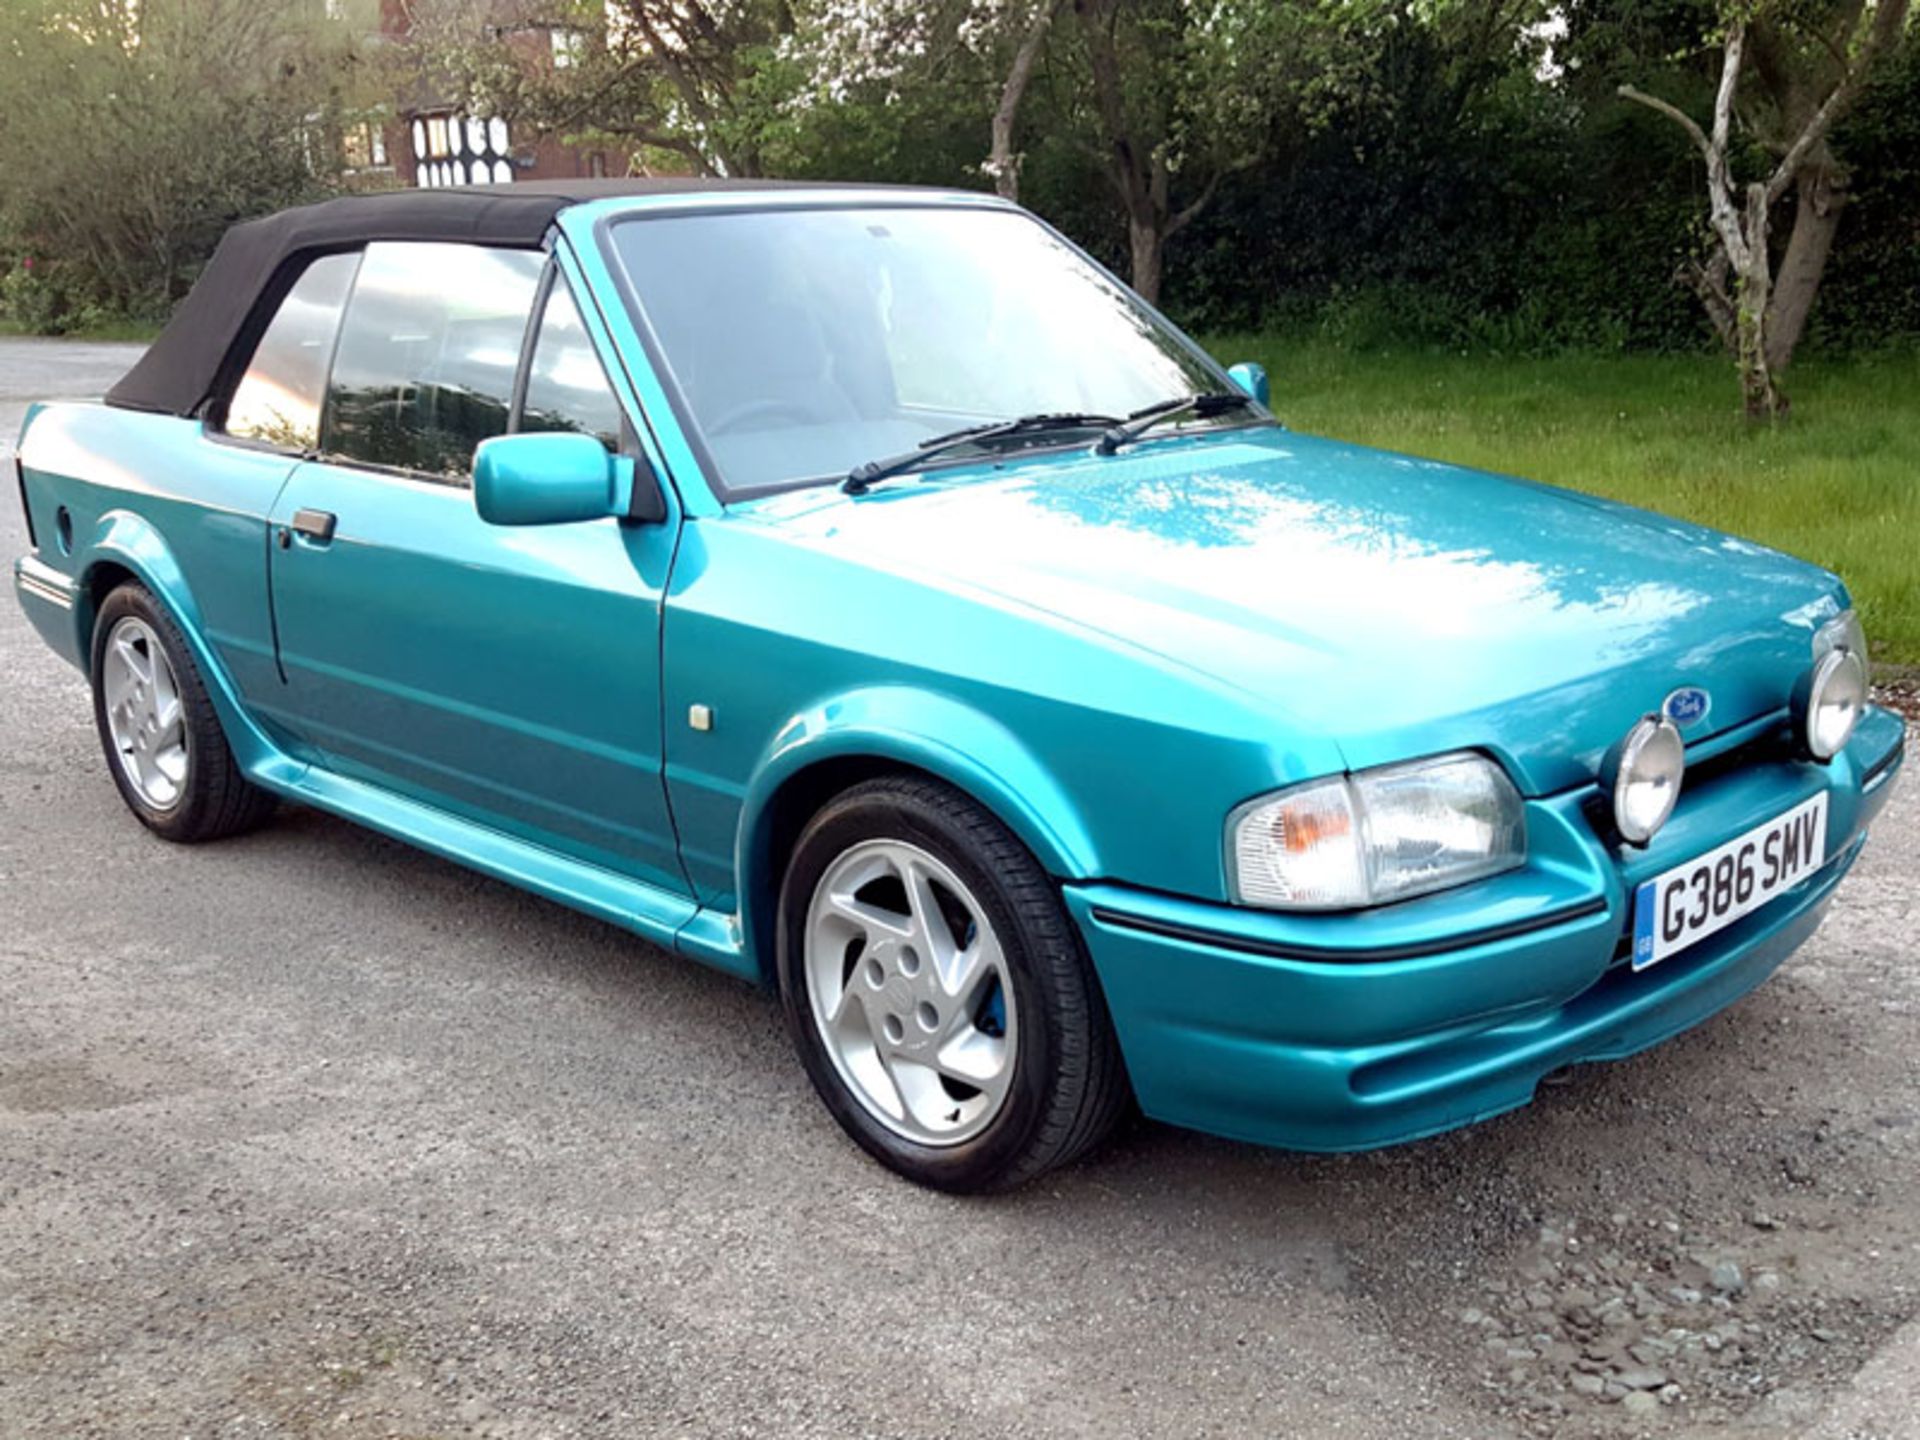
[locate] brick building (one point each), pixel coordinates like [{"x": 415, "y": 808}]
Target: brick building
[{"x": 428, "y": 141}]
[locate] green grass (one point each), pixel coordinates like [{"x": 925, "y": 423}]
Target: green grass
[{"x": 1838, "y": 483}]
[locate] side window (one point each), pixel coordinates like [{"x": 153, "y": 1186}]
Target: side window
[
  {"x": 566, "y": 387},
  {"x": 425, "y": 366},
  {"x": 278, "y": 400}
]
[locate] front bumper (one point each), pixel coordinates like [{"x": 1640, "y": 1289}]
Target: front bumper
[{"x": 1354, "y": 1031}]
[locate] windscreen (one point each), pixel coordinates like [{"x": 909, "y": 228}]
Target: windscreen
[{"x": 804, "y": 342}]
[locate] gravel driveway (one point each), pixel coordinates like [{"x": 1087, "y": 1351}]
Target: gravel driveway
[{"x": 309, "y": 1134}]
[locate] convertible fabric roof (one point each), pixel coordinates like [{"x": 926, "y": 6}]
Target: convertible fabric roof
[{"x": 219, "y": 323}]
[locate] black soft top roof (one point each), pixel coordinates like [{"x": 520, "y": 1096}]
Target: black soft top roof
[{"x": 218, "y": 324}]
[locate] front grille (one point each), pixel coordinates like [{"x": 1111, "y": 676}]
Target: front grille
[{"x": 1768, "y": 746}]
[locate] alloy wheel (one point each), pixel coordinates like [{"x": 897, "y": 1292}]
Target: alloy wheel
[
  {"x": 910, "y": 992},
  {"x": 144, "y": 713}
]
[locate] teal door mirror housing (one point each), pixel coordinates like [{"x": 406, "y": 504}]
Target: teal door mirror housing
[
  {"x": 548, "y": 478},
  {"x": 1252, "y": 379}
]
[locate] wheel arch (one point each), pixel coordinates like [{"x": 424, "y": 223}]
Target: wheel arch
[
  {"x": 126, "y": 547},
  {"x": 895, "y": 732},
  {"x": 100, "y": 580}
]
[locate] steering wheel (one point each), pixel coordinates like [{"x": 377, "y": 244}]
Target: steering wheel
[{"x": 739, "y": 415}]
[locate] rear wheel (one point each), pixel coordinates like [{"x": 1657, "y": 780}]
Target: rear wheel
[
  {"x": 162, "y": 738},
  {"x": 938, "y": 994}
]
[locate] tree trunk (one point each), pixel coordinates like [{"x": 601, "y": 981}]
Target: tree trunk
[
  {"x": 1820, "y": 196},
  {"x": 1708, "y": 280},
  {"x": 1753, "y": 299},
  {"x": 1139, "y": 176},
  {"x": 1003, "y": 161},
  {"x": 1147, "y": 237},
  {"x": 1766, "y": 323}
]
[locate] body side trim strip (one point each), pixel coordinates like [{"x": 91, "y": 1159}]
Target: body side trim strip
[
  {"x": 45, "y": 581},
  {"x": 1882, "y": 767},
  {"x": 1359, "y": 955}
]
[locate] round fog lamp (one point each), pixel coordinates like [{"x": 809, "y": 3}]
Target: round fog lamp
[
  {"x": 1835, "y": 697},
  {"x": 1643, "y": 774}
]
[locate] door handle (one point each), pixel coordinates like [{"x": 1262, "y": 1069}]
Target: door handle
[{"x": 314, "y": 525}]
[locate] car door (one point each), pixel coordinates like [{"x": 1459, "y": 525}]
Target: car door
[{"x": 508, "y": 675}]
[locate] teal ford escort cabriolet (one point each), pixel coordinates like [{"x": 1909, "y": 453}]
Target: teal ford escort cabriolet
[{"x": 861, "y": 591}]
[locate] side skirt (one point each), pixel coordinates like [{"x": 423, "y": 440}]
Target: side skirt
[{"x": 668, "y": 920}]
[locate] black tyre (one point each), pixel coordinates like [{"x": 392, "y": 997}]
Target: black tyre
[
  {"x": 938, "y": 993},
  {"x": 163, "y": 742}
]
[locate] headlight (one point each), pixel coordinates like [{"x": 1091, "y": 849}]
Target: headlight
[
  {"x": 1376, "y": 836},
  {"x": 1642, "y": 776},
  {"x": 1830, "y": 699}
]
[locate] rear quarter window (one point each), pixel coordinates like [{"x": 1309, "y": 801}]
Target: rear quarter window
[{"x": 277, "y": 401}]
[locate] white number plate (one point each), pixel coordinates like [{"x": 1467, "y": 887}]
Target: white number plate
[{"x": 1691, "y": 901}]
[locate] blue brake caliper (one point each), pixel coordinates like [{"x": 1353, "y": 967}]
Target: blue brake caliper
[{"x": 992, "y": 1019}]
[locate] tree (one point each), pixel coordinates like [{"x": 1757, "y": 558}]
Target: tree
[
  {"x": 1159, "y": 70},
  {"x": 1184, "y": 94},
  {"x": 1808, "y": 63},
  {"x": 711, "y": 56},
  {"x": 881, "y": 50},
  {"x": 1167, "y": 96},
  {"x": 1003, "y": 160},
  {"x": 701, "y": 80},
  {"x": 133, "y": 132}
]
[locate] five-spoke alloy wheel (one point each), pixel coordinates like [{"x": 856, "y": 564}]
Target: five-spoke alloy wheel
[
  {"x": 161, "y": 734},
  {"x": 146, "y": 722},
  {"x": 910, "y": 992},
  {"x": 938, "y": 993}
]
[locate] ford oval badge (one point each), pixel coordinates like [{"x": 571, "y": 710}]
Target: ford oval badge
[{"x": 1687, "y": 706}]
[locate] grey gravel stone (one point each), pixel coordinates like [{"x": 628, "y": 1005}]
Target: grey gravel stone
[{"x": 1642, "y": 1377}]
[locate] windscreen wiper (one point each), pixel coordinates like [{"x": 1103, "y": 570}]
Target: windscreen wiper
[
  {"x": 1204, "y": 405},
  {"x": 862, "y": 477}
]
